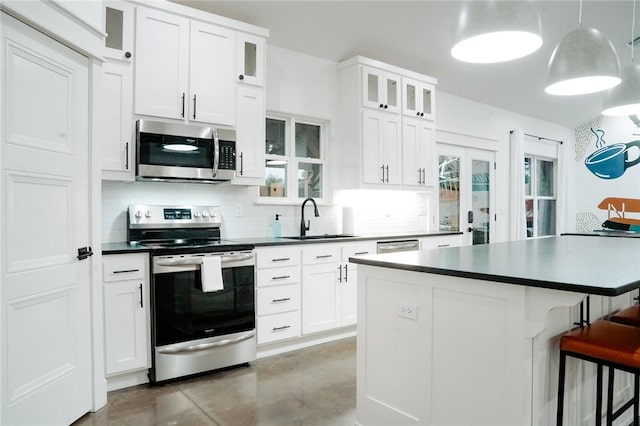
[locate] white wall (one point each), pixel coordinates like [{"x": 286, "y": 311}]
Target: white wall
[{"x": 307, "y": 86}]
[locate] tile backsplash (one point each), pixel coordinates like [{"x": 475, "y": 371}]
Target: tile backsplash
[{"x": 375, "y": 212}]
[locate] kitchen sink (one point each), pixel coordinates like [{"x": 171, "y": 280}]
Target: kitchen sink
[{"x": 319, "y": 237}]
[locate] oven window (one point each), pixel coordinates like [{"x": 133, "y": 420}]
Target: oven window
[
  {"x": 184, "y": 312},
  {"x": 161, "y": 150}
]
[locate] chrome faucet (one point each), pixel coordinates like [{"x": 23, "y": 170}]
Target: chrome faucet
[{"x": 305, "y": 227}]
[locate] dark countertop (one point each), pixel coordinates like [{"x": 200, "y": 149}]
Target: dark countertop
[
  {"x": 603, "y": 266},
  {"x": 124, "y": 247}
]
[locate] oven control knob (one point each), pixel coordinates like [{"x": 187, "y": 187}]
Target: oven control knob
[
  {"x": 205, "y": 214},
  {"x": 213, "y": 215},
  {"x": 138, "y": 214},
  {"x": 147, "y": 214},
  {"x": 196, "y": 214}
]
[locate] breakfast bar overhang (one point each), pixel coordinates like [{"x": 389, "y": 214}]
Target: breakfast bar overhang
[{"x": 468, "y": 335}]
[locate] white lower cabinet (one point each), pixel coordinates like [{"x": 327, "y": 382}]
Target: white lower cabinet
[
  {"x": 277, "y": 293},
  {"x": 434, "y": 242},
  {"x": 126, "y": 312}
]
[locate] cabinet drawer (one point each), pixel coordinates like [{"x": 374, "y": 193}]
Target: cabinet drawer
[
  {"x": 276, "y": 327},
  {"x": 278, "y": 257},
  {"x": 441, "y": 242},
  {"x": 324, "y": 253},
  {"x": 358, "y": 249},
  {"x": 276, "y": 276},
  {"x": 123, "y": 267},
  {"x": 274, "y": 300}
]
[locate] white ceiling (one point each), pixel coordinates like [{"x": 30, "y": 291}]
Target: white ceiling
[{"x": 418, "y": 35}]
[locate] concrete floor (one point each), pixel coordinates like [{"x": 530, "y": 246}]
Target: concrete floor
[{"x": 312, "y": 386}]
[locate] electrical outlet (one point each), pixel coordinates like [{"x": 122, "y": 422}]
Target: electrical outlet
[{"x": 408, "y": 311}]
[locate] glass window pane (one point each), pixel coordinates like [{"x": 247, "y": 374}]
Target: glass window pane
[
  {"x": 275, "y": 132},
  {"x": 392, "y": 92},
  {"x": 411, "y": 97},
  {"x": 480, "y": 201},
  {"x": 544, "y": 178},
  {"x": 546, "y": 217},
  {"x": 527, "y": 176},
  {"x": 309, "y": 180},
  {"x": 528, "y": 208},
  {"x": 307, "y": 140},
  {"x": 250, "y": 58},
  {"x": 113, "y": 24},
  {"x": 372, "y": 88},
  {"x": 426, "y": 101},
  {"x": 449, "y": 193},
  {"x": 275, "y": 179}
]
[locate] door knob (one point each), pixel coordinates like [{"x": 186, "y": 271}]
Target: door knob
[{"x": 469, "y": 229}]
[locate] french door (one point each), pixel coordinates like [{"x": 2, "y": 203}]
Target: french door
[
  {"x": 466, "y": 196},
  {"x": 45, "y": 305}
]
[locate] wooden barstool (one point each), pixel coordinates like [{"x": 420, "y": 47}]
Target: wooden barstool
[{"x": 604, "y": 343}]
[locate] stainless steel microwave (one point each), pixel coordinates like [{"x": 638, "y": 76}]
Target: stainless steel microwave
[{"x": 180, "y": 152}]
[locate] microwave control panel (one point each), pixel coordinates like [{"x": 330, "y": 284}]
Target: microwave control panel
[{"x": 227, "y": 159}]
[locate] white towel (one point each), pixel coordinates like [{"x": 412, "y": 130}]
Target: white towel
[{"x": 211, "y": 274}]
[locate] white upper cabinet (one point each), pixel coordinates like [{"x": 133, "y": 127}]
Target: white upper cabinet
[
  {"x": 250, "y": 59},
  {"x": 381, "y": 152},
  {"x": 119, "y": 29},
  {"x": 162, "y": 64},
  {"x": 184, "y": 69},
  {"x": 211, "y": 88},
  {"x": 380, "y": 90},
  {"x": 418, "y": 99},
  {"x": 418, "y": 138},
  {"x": 250, "y": 136}
]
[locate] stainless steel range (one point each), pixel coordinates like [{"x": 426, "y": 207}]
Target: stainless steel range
[{"x": 202, "y": 291}]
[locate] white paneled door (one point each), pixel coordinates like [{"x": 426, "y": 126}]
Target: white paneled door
[{"x": 45, "y": 321}]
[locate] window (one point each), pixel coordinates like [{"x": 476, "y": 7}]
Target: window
[
  {"x": 294, "y": 158},
  {"x": 540, "y": 196}
]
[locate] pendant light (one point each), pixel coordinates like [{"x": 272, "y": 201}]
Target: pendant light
[
  {"x": 624, "y": 99},
  {"x": 583, "y": 62},
  {"x": 496, "y": 31}
]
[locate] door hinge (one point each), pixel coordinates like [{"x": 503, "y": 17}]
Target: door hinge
[
  {"x": 84, "y": 252},
  {"x": 494, "y": 165}
]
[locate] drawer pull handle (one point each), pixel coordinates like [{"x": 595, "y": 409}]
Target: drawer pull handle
[
  {"x": 358, "y": 253},
  {"x": 281, "y": 259},
  {"x": 324, "y": 256},
  {"x": 284, "y": 299},
  {"x": 283, "y": 277},
  {"x": 284, "y": 327},
  {"x": 444, "y": 245},
  {"x": 126, "y": 271}
]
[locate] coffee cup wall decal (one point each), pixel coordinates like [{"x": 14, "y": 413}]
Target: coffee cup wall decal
[{"x": 611, "y": 161}]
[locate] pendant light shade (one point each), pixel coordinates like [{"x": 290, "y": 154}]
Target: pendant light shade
[
  {"x": 583, "y": 62},
  {"x": 496, "y": 31},
  {"x": 624, "y": 99}
]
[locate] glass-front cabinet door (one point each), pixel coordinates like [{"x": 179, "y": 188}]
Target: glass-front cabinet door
[
  {"x": 466, "y": 195},
  {"x": 251, "y": 57},
  {"x": 418, "y": 99},
  {"x": 380, "y": 90},
  {"x": 119, "y": 28}
]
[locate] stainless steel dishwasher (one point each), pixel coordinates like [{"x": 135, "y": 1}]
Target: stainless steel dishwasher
[{"x": 398, "y": 245}]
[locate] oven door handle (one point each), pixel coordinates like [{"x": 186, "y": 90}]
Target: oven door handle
[
  {"x": 197, "y": 261},
  {"x": 205, "y": 346}
]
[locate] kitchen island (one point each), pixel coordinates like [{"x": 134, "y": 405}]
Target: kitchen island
[{"x": 469, "y": 335}]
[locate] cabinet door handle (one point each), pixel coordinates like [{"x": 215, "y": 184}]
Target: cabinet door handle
[
  {"x": 419, "y": 176},
  {"x": 241, "y": 163},
  {"x": 126, "y": 271},
  {"x": 346, "y": 273},
  {"x": 126, "y": 156},
  {"x": 324, "y": 256},
  {"x": 382, "y": 167},
  {"x": 358, "y": 253},
  {"x": 194, "y": 107},
  {"x": 282, "y": 277},
  {"x": 183, "y": 94},
  {"x": 340, "y": 271},
  {"x": 386, "y": 106},
  {"x": 284, "y": 299},
  {"x": 422, "y": 114},
  {"x": 284, "y": 327},
  {"x": 381, "y": 105},
  {"x": 141, "y": 304},
  {"x": 387, "y": 167},
  {"x": 281, "y": 259},
  {"x": 241, "y": 77},
  {"x": 443, "y": 245},
  {"x": 424, "y": 176}
]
